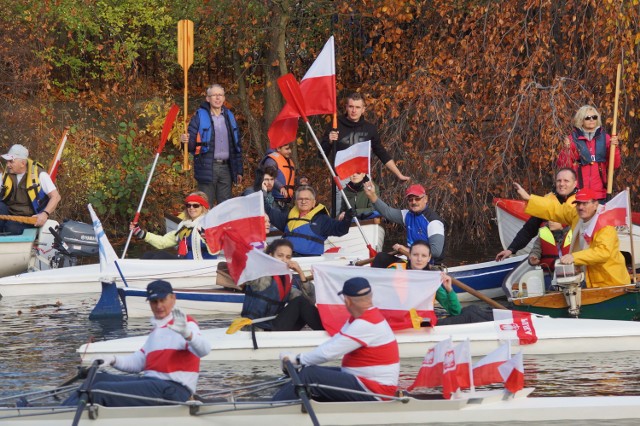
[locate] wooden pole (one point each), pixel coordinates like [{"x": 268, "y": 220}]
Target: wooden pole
[
  {"x": 185, "y": 59},
  {"x": 630, "y": 225},
  {"x": 476, "y": 293},
  {"x": 614, "y": 132}
]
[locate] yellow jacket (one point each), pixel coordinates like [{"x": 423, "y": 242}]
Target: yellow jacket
[{"x": 604, "y": 263}]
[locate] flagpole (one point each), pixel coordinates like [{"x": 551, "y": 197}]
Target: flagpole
[
  {"x": 614, "y": 132},
  {"x": 630, "y": 226}
]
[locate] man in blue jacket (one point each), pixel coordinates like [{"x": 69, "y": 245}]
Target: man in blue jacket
[{"x": 214, "y": 140}]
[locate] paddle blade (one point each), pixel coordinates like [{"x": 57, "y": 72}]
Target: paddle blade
[
  {"x": 416, "y": 319},
  {"x": 237, "y": 324},
  {"x": 291, "y": 91},
  {"x": 168, "y": 125},
  {"x": 372, "y": 252},
  {"x": 185, "y": 43}
]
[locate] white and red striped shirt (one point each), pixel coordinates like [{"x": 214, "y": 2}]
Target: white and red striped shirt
[
  {"x": 167, "y": 355},
  {"x": 369, "y": 350}
]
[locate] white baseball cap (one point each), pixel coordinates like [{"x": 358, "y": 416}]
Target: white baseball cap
[{"x": 17, "y": 152}]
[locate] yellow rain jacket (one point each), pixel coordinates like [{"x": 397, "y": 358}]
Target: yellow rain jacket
[{"x": 604, "y": 263}]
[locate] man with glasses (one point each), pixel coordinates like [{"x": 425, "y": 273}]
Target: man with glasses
[
  {"x": 214, "y": 140},
  {"x": 586, "y": 150},
  {"x": 308, "y": 224},
  {"x": 420, "y": 222},
  {"x": 597, "y": 249},
  {"x": 27, "y": 190}
]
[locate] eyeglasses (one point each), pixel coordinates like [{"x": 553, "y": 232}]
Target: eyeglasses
[
  {"x": 591, "y": 117},
  {"x": 216, "y": 95},
  {"x": 304, "y": 200},
  {"x": 414, "y": 199},
  {"x": 192, "y": 205}
]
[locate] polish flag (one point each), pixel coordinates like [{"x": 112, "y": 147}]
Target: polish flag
[
  {"x": 450, "y": 383},
  {"x": 463, "y": 364},
  {"x": 318, "y": 88},
  {"x": 395, "y": 293},
  {"x": 485, "y": 371},
  {"x": 614, "y": 213},
  {"x": 514, "y": 325},
  {"x": 512, "y": 373},
  {"x": 355, "y": 159},
  {"x": 242, "y": 214},
  {"x": 431, "y": 369},
  {"x": 246, "y": 262}
]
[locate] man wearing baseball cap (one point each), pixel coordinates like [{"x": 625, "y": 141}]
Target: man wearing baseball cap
[
  {"x": 369, "y": 351},
  {"x": 599, "y": 251},
  {"x": 169, "y": 360},
  {"x": 27, "y": 190},
  {"x": 420, "y": 222}
]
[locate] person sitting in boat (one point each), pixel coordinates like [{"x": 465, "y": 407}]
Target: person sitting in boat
[
  {"x": 586, "y": 150},
  {"x": 598, "y": 252},
  {"x": 354, "y": 190},
  {"x": 563, "y": 192},
  {"x": 292, "y": 301},
  {"x": 452, "y": 312},
  {"x": 169, "y": 360},
  {"x": 308, "y": 224},
  {"x": 191, "y": 245},
  {"x": 554, "y": 240},
  {"x": 420, "y": 222},
  {"x": 367, "y": 346},
  {"x": 26, "y": 190},
  {"x": 266, "y": 185}
]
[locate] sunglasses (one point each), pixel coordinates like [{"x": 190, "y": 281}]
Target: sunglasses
[
  {"x": 591, "y": 117},
  {"x": 414, "y": 199},
  {"x": 192, "y": 205}
]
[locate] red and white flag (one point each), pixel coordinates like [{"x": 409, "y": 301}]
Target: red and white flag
[
  {"x": 450, "y": 383},
  {"x": 355, "y": 159},
  {"x": 616, "y": 212},
  {"x": 318, "y": 88},
  {"x": 485, "y": 371},
  {"x": 463, "y": 364},
  {"x": 512, "y": 373},
  {"x": 395, "y": 293},
  {"x": 430, "y": 373},
  {"x": 515, "y": 326},
  {"x": 245, "y": 215},
  {"x": 246, "y": 262}
]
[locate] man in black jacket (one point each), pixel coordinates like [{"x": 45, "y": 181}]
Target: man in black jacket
[{"x": 353, "y": 128}]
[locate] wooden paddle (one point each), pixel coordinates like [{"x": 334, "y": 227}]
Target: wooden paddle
[
  {"x": 301, "y": 391},
  {"x": 185, "y": 59},
  {"x": 30, "y": 220},
  {"x": 238, "y": 323},
  {"x": 476, "y": 293},
  {"x": 614, "y": 132}
]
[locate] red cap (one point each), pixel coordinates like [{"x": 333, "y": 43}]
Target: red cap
[
  {"x": 416, "y": 190},
  {"x": 586, "y": 194}
]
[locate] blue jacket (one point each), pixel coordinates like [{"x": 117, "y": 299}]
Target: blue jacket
[
  {"x": 267, "y": 302},
  {"x": 203, "y": 162}
]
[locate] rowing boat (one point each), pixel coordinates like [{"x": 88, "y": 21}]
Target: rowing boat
[
  {"x": 555, "y": 336},
  {"x": 477, "y": 407},
  {"x": 15, "y": 251},
  {"x": 612, "y": 303}
]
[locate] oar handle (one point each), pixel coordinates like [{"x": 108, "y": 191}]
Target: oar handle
[
  {"x": 301, "y": 391},
  {"x": 29, "y": 220},
  {"x": 476, "y": 293},
  {"x": 369, "y": 260}
]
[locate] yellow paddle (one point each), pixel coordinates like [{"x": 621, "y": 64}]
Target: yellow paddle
[
  {"x": 238, "y": 323},
  {"x": 30, "y": 220}
]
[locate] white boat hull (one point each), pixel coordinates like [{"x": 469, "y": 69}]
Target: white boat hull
[
  {"x": 15, "y": 252},
  {"x": 555, "y": 336},
  {"x": 480, "y": 407}
]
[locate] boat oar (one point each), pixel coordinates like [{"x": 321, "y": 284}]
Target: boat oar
[
  {"x": 476, "y": 293},
  {"x": 301, "y": 391},
  {"x": 84, "y": 390},
  {"x": 238, "y": 323},
  {"x": 291, "y": 91},
  {"x": 185, "y": 59},
  {"x": 166, "y": 128},
  {"x": 29, "y": 220},
  {"x": 614, "y": 132},
  {"x": 369, "y": 260}
]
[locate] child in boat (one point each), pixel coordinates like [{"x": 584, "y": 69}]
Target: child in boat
[
  {"x": 354, "y": 190},
  {"x": 452, "y": 312},
  {"x": 292, "y": 301},
  {"x": 554, "y": 240}
]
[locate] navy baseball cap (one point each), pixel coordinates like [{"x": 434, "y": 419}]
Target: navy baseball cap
[
  {"x": 159, "y": 289},
  {"x": 353, "y": 287}
]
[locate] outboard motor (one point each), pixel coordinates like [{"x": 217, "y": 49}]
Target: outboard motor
[
  {"x": 569, "y": 281},
  {"x": 72, "y": 240}
]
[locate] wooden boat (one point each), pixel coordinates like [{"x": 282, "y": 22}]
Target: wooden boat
[
  {"x": 613, "y": 303},
  {"x": 555, "y": 336},
  {"x": 511, "y": 216},
  {"x": 478, "y": 407}
]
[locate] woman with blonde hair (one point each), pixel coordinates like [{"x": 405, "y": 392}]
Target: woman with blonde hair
[
  {"x": 586, "y": 151},
  {"x": 187, "y": 236}
]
